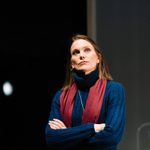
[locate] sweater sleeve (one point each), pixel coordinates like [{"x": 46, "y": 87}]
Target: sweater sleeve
[
  {"x": 115, "y": 118},
  {"x": 69, "y": 137}
]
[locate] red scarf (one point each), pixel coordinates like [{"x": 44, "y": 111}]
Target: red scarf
[{"x": 93, "y": 104}]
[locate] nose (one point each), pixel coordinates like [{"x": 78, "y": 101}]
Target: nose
[{"x": 82, "y": 55}]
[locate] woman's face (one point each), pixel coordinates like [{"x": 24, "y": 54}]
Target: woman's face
[{"x": 83, "y": 56}]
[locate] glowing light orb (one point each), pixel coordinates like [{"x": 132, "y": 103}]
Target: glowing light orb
[{"x": 7, "y": 88}]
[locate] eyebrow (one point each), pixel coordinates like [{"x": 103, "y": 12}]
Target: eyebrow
[{"x": 82, "y": 48}]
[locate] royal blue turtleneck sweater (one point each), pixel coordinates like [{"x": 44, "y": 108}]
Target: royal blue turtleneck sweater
[{"x": 83, "y": 136}]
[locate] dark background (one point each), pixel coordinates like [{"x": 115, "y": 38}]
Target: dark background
[{"x": 33, "y": 44}]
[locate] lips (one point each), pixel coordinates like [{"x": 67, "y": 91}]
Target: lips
[{"x": 82, "y": 62}]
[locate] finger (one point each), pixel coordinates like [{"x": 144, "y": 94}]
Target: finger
[
  {"x": 53, "y": 125},
  {"x": 56, "y": 124},
  {"x": 60, "y": 122}
]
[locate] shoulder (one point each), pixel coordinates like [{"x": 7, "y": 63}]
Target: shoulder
[
  {"x": 115, "y": 87},
  {"x": 56, "y": 97},
  {"x": 115, "y": 91},
  {"x": 114, "y": 84},
  {"x": 57, "y": 93}
]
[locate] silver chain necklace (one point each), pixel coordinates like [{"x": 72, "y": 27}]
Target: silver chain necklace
[{"x": 81, "y": 100}]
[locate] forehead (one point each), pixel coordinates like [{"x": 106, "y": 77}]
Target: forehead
[{"x": 79, "y": 44}]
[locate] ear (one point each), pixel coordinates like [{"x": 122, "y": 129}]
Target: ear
[
  {"x": 72, "y": 66},
  {"x": 99, "y": 58}
]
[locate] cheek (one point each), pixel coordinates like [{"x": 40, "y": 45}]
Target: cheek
[
  {"x": 95, "y": 60},
  {"x": 94, "y": 63},
  {"x": 74, "y": 60}
]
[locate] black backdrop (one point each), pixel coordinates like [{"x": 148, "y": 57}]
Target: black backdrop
[{"x": 33, "y": 43}]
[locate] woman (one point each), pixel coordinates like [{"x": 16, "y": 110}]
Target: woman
[{"x": 89, "y": 111}]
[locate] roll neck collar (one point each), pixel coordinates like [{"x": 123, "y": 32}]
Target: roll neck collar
[{"x": 84, "y": 82}]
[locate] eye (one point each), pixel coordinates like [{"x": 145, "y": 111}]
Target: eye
[
  {"x": 75, "y": 52},
  {"x": 87, "y": 49}
]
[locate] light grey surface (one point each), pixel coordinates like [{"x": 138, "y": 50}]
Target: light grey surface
[{"x": 122, "y": 28}]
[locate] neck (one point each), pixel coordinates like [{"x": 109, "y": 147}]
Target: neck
[{"x": 84, "y": 81}]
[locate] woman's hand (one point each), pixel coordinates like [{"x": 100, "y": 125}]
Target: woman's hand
[
  {"x": 57, "y": 124},
  {"x": 99, "y": 127}
]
